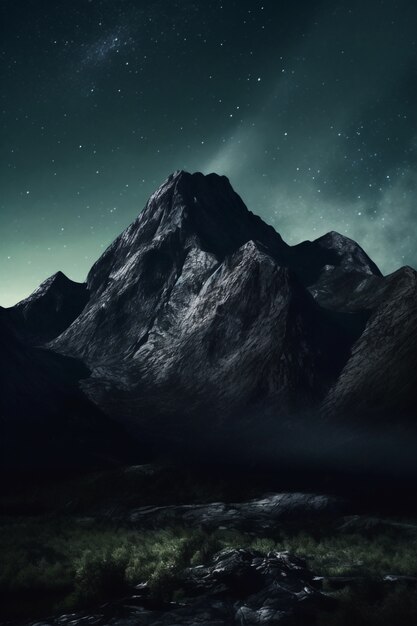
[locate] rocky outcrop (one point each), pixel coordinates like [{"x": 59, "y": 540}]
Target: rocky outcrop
[
  {"x": 236, "y": 587},
  {"x": 338, "y": 283},
  {"x": 262, "y": 513}
]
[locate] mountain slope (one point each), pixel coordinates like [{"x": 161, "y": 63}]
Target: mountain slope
[
  {"x": 380, "y": 378},
  {"x": 45, "y": 420}
]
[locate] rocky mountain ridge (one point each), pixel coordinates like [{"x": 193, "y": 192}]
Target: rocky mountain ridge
[{"x": 199, "y": 321}]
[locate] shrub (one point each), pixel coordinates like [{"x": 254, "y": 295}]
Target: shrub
[
  {"x": 99, "y": 577},
  {"x": 90, "y": 563}
]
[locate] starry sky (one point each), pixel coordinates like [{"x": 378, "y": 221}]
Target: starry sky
[{"x": 309, "y": 107}]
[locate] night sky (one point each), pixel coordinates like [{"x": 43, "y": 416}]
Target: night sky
[{"x": 310, "y": 108}]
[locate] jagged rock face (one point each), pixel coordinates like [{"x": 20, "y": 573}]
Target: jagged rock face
[
  {"x": 45, "y": 420},
  {"x": 49, "y": 310},
  {"x": 252, "y": 317},
  {"x": 335, "y": 283},
  {"x": 244, "y": 338},
  {"x": 350, "y": 255},
  {"x": 188, "y": 226}
]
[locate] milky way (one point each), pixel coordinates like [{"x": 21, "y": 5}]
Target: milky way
[
  {"x": 113, "y": 42},
  {"x": 309, "y": 107}
]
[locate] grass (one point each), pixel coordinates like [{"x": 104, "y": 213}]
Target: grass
[
  {"x": 353, "y": 554},
  {"x": 61, "y": 551},
  {"x": 80, "y": 563},
  {"x": 84, "y": 563}
]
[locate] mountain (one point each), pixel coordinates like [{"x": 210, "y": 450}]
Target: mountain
[
  {"x": 189, "y": 226},
  {"x": 49, "y": 310},
  {"x": 204, "y": 332},
  {"x": 198, "y": 312},
  {"x": 45, "y": 420}
]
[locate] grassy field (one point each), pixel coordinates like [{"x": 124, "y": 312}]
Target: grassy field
[
  {"x": 61, "y": 549},
  {"x": 62, "y": 564}
]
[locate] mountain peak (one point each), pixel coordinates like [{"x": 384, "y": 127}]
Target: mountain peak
[
  {"x": 194, "y": 187},
  {"x": 351, "y": 255},
  {"x": 186, "y": 211},
  {"x": 50, "y": 308},
  {"x": 57, "y": 280}
]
